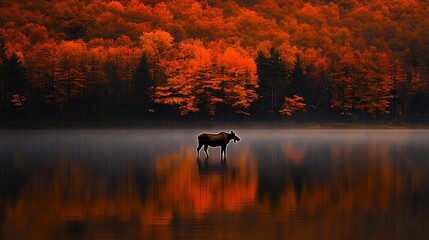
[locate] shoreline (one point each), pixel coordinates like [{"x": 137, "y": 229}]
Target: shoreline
[{"x": 233, "y": 125}]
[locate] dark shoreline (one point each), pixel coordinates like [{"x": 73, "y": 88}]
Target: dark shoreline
[{"x": 221, "y": 125}]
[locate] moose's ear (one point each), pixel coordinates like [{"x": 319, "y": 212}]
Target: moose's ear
[{"x": 232, "y": 132}]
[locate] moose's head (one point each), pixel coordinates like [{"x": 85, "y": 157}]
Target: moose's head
[{"x": 234, "y": 137}]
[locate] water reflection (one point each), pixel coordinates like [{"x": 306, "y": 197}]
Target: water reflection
[{"x": 303, "y": 184}]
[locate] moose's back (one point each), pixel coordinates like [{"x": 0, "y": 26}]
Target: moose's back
[{"x": 213, "y": 139}]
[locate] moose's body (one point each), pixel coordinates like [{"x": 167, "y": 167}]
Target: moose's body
[{"x": 215, "y": 140}]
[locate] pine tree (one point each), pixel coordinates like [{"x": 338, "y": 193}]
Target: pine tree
[
  {"x": 15, "y": 89},
  {"x": 15, "y": 75},
  {"x": 299, "y": 84},
  {"x": 143, "y": 85},
  {"x": 3, "y": 60},
  {"x": 272, "y": 75}
]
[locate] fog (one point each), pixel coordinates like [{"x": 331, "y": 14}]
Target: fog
[{"x": 275, "y": 184}]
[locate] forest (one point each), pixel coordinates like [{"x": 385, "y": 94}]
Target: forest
[{"x": 92, "y": 63}]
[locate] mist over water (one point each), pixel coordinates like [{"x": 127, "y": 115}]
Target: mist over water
[{"x": 276, "y": 184}]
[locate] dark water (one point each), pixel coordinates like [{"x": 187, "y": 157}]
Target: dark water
[{"x": 276, "y": 184}]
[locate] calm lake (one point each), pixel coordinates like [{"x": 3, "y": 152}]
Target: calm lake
[{"x": 276, "y": 184}]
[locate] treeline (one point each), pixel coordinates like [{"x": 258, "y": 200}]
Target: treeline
[{"x": 89, "y": 63}]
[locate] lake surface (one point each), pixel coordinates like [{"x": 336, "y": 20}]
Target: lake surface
[{"x": 276, "y": 184}]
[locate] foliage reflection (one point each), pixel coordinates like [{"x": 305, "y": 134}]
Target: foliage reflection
[{"x": 341, "y": 187}]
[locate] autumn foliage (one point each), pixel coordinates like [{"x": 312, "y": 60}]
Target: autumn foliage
[
  {"x": 293, "y": 105},
  {"x": 81, "y": 60}
]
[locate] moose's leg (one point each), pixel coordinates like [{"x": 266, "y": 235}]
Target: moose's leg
[
  {"x": 198, "y": 149},
  {"x": 205, "y": 150},
  {"x": 222, "y": 152}
]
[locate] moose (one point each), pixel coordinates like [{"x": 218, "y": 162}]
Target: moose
[{"x": 216, "y": 140}]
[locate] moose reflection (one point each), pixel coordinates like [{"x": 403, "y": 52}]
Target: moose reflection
[
  {"x": 216, "y": 140},
  {"x": 205, "y": 169}
]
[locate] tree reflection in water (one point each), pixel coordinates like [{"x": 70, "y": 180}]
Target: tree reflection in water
[{"x": 293, "y": 184}]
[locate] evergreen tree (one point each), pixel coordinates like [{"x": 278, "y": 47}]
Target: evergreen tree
[
  {"x": 143, "y": 86},
  {"x": 272, "y": 75},
  {"x": 3, "y": 60},
  {"x": 419, "y": 103},
  {"x": 15, "y": 76},
  {"x": 15, "y": 90},
  {"x": 299, "y": 84}
]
